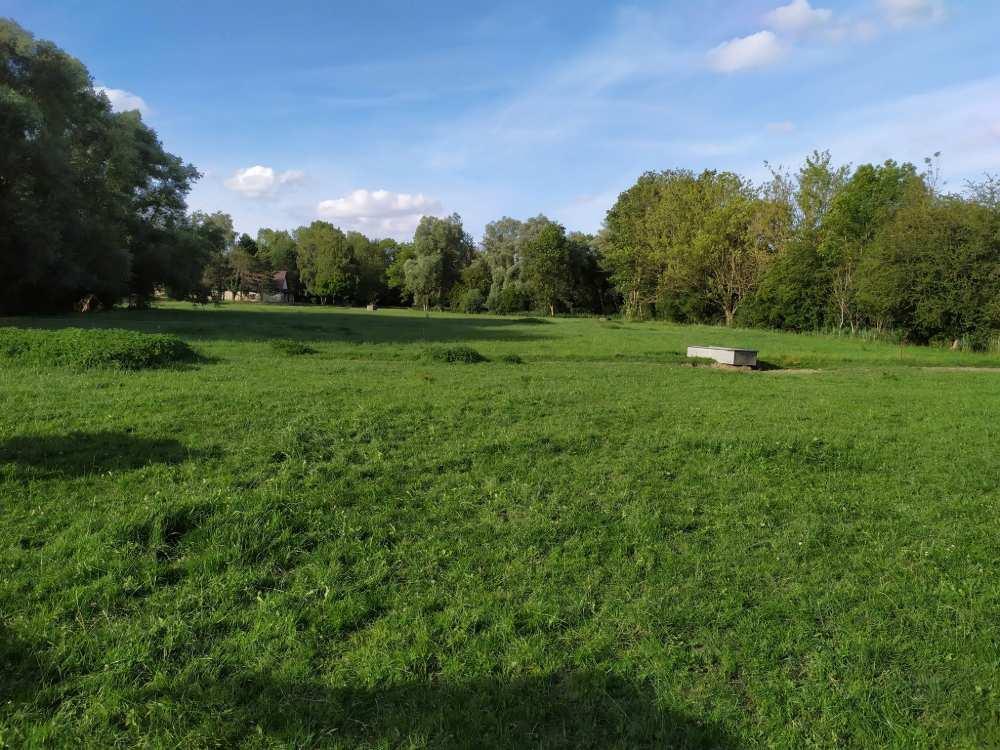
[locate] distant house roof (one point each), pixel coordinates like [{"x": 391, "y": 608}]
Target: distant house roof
[{"x": 281, "y": 280}]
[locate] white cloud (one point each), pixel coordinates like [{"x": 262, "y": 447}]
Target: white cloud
[
  {"x": 744, "y": 53},
  {"x": 781, "y": 128},
  {"x": 259, "y": 181},
  {"x": 797, "y": 17},
  {"x": 907, "y": 12},
  {"x": 379, "y": 213},
  {"x": 123, "y": 101}
]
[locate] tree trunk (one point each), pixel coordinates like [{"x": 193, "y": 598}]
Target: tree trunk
[
  {"x": 730, "y": 317},
  {"x": 552, "y": 310}
]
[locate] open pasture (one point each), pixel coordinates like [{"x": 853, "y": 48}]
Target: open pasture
[{"x": 344, "y": 539}]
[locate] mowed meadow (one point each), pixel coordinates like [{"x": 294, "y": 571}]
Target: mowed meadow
[{"x": 343, "y": 540}]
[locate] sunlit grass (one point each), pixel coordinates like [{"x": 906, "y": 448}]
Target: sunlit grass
[{"x": 598, "y": 547}]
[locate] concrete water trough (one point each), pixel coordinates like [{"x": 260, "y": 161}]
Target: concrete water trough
[{"x": 725, "y": 356}]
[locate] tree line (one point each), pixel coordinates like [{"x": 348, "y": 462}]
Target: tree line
[
  {"x": 91, "y": 205},
  {"x": 829, "y": 247},
  {"x": 519, "y": 266}
]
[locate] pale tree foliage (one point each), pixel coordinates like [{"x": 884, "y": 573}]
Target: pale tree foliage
[
  {"x": 422, "y": 277},
  {"x": 706, "y": 239}
]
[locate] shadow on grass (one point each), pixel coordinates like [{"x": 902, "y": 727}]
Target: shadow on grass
[
  {"x": 20, "y": 666},
  {"x": 571, "y": 709},
  {"x": 305, "y": 323},
  {"x": 83, "y": 453}
]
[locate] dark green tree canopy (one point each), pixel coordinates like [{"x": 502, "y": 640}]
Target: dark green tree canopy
[{"x": 90, "y": 203}]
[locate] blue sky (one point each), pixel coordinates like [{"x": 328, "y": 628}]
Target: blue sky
[{"x": 372, "y": 114}]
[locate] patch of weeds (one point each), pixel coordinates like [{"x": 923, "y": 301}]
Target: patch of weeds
[
  {"x": 455, "y": 354},
  {"x": 699, "y": 362},
  {"x": 292, "y": 348},
  {"x": 512, "y": 359},
  {"x": 87, "y": 348}
]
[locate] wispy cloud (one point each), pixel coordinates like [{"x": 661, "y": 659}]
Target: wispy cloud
[
  {"x": 746, "y": 53},
  {"x": 262, "y": 182},
  {"x": 797, "y": 17},
  {"x": 379, "y": 213},
  {"x": 908, "y": 12},
  {"x": 567, "y": 99},
  {"x": 124, "y": 101},
  {"x": 799, "y": 26}
]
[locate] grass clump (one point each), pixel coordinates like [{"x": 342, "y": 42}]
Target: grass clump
[
  {"x": 87, "y": 348},
  {"x": 455, "y": 354},
  {"x": 512, "y": 359},
  {"x": 291, "y": 348}
]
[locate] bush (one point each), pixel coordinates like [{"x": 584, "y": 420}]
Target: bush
[
  {"x": 471, "y": 301},
  {"x": 86, "y": 348},
  {"x": 512, "y": 298},
  {"x": 453, "y": 354},
  {"x": 291, "y": 348}
]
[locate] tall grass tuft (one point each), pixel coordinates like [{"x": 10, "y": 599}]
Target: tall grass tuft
[
  {"x": 87, "y": 348},
  {"x": 454, "y": 354}
]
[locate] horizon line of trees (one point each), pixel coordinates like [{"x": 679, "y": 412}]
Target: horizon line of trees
[
  {"x": 878, "y": 247},
  {"x": 91, "y": 205}
]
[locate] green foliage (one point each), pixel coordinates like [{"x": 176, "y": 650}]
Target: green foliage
[
  {"x": 86, "y": 348},
  {"x": 512, "y": 359},
  {"x": 546, "y": 266},
  {"x": 291, "y": 348},
  {"x": 279, "y": 248},
  {"x": 934, "y": 272},
  {"x": 326, "y": 264},
  {"x": 441, "y": 249},
  {"x": 90, "y": 202},
  {"x": 794, "y": 293},
  {"x": 471, "y": 301},
  {"x": 454, "y": 354},
  {"x": 422, "y": 278},
  {"x": 513, "y": 297},
  {"x": 696, "y": 246}
]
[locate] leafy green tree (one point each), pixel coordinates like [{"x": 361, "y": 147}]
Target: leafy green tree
[
  {"x": 326, "y": 265},
  {"x": 477, "y": 276},
  {"x": 215, "y": 233},
  {"x": 220, "y": 224},
  {"x": 395, "y": 273},
  {"x": 422, "y": 275},
  {"x": 446, "y": 240},
  {"x": 858, "y": 213},
  {"x": 371, "y": 260},
  {"x": 695, "y": 246},
  {"x": 251, "y": 268},
  {"x": 934, "y": 272},
  {"x": 647, "y": 227},
  {"x": 279, "y": 248},
  {"x": 546, "y": 260},
  {"x": 90, "y": 203},
  {"x": 590, "y": 285},
  {"x": 797, "y": 287}
]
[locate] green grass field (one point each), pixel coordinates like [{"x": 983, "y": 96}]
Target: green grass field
[{"x": 350, "y": 543}]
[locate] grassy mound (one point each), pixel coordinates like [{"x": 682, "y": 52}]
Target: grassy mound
[
  {"x": 452, "y": 354},
  {"x": 291, "y": 348},
  {"x": 86, "y": 348}
]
